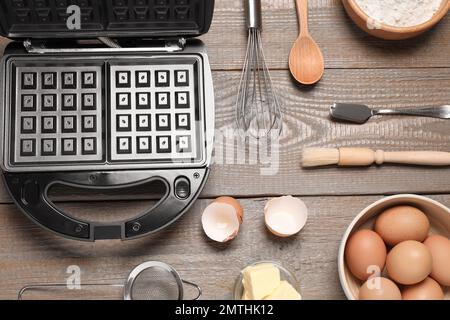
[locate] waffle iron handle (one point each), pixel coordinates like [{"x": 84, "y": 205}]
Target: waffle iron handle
[
  {"x": 29, "y": 191},
  {"x": 182, "y": 189}
]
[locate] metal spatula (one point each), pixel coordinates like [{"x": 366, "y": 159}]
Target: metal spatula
[{"x": 358, "y": 113}]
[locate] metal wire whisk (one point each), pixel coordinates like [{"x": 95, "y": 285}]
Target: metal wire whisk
[{"x": 258, "y": 111}]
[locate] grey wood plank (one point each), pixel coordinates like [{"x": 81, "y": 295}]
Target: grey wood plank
[
  {"x": 307, "y": 124},
  {"x": 343, "y": 44},
  {"x": 31, "y": 255}
]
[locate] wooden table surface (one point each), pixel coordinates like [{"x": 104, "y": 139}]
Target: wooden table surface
[{"x": 359, "y": 68}]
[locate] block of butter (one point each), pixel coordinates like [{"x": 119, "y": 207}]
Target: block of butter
[
  {"x": 260, "y": 281},
  {"x": 263, "y": 282},
  {"x": 285, "y": 291}
]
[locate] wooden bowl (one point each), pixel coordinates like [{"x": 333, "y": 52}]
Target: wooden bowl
[
  {"x": 439, "y": 217},
  {"x": 387, "y": 32}
]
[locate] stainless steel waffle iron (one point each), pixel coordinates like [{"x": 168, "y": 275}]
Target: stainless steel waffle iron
[{"x": 77, "y": 112}]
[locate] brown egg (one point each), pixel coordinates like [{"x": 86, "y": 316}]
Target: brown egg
[
  {"x": 365, "y": 250},
  {"x": 409, "y": 262},
  {"x": 428, "y": 289},
  {"x": 439, "y": 247},
  {"x": 379, "y": 288},
  {"x": 402, "y": 223}
]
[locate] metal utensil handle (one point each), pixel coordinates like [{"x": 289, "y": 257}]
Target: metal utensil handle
[
  {"x": 254, "y": 14},
  {"x": 199, "y": 290},
  {"x": 60, "y": 285},
  {"x": 442, "y": 112},
  {"x": 30, "y": 192}
]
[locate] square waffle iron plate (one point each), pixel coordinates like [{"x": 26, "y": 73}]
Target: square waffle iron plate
[{"x": 111, "y": 119}]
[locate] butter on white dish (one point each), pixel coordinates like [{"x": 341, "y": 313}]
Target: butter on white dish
[{"x": 263, "y": 282}]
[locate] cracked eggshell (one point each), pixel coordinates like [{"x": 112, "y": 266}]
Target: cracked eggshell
[
  {"x": 285, "y": 216},
  {"x": 237, "y": 206},
  {"x": 220, "y": 222}
]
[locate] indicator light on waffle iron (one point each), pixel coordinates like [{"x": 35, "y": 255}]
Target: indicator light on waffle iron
[{"x": 182, "y": 188}]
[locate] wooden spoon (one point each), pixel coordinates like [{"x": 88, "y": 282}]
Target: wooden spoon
[{"x": 306, "y": 59}]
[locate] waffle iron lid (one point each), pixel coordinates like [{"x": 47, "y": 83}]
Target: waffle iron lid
[{"x": 52, "y": 19}]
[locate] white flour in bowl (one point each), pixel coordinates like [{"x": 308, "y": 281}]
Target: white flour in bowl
[{"x": 400, "y": 13}]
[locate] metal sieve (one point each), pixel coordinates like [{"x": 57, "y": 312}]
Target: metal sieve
[
  {"x": 150, "y": 280},
  {"x": 155, "y": 280}
]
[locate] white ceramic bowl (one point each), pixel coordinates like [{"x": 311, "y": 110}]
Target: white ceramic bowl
[{"x": 438, "y": 214}]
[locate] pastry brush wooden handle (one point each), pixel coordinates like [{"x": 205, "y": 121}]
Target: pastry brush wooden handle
[{"x": 367, "y": 157}]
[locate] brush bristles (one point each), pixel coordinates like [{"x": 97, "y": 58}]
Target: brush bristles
[{"x": 318, "y": 157}]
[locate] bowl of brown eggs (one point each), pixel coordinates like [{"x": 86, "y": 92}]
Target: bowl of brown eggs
[{"x": 397, "y": 249}]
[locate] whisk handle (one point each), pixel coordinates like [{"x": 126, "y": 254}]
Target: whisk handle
[{"x": 254, "y": 14}]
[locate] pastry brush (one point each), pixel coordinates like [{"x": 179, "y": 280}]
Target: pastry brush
[{"x": 359, "y": 157}]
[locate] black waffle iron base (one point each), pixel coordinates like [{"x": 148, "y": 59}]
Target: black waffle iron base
[{"x": 106, "y": 118}]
